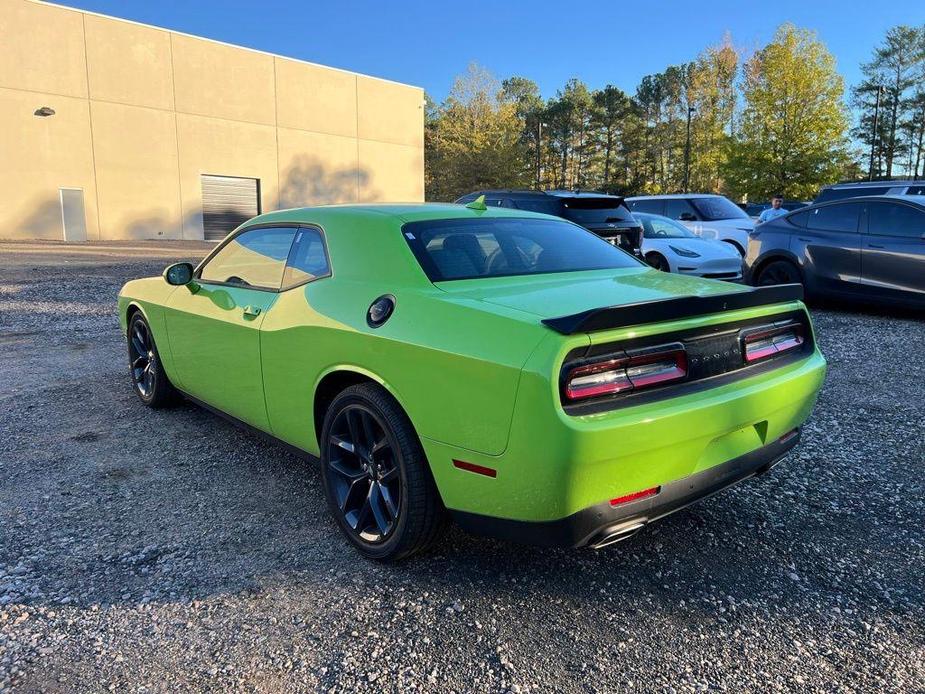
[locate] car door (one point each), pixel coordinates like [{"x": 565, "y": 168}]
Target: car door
[
  {"x": 213, "y": 323},
  {"x": 893, "y": 250},
  {"x": 829, "y": 245}
]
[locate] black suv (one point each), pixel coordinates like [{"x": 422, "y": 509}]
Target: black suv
[
  {"x": 868, "y": 248},
  {"x": 605, "y": 215}
]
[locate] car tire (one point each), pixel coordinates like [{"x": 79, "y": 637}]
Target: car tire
[
  {"x": 377, "y": 481},
  {"x": 778, "y": 272},
  {"x": 658, "y": 262},
  {"x": 149, "y": 380}
]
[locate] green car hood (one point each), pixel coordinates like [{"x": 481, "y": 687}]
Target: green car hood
[{"x": 572, "y": 292}]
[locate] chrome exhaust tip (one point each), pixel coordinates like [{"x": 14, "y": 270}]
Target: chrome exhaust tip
[{"x": 610, "y": 537}]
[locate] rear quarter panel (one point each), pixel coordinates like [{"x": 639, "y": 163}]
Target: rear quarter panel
[{"x": 452, "y": 366}]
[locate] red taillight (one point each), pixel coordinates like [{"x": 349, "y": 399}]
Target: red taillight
[
  {"x": 625, "y": 374},
  {"x": 635, "y": 496},
  {"x": 764, "y": 343}
]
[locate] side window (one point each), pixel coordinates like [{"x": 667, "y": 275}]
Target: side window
[
  {"x": 916, "y": 190},
  {"x": 843, "y": 217},
  {"x": 799, "y": 220},
  {"x": 650, "y": 206},
  {"x": 308, "y": 259},
  {"x": 675, "y": 208},
  {"x": 889, "y": 219},
  {"x": 495, "y": 202},
  {"x": 254, "y": 258}
]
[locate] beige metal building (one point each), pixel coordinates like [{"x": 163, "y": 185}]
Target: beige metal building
[{"x": 115, "y": 130}]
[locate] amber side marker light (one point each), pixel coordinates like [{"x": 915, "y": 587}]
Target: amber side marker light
[{"x": 635, "y": 496}]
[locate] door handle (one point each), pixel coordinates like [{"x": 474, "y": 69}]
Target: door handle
[
  {"x": 873, "y": 245},
  {"x": 805, "y": 240},
  {"x": 252, "y": 311}
]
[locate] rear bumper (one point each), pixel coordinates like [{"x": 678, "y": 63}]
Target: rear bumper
[{"x": 603, "y": 524}]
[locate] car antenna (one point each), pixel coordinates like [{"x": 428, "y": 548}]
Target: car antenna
[{"x": 478, "y": 204}]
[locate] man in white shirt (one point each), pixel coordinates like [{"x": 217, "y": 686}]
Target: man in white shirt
[{"x": 774, "y": 211}]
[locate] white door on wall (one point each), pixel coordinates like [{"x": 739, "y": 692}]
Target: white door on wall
[
  {"x": 73, "y": 217},
  {"x": 227, "y": 201}
]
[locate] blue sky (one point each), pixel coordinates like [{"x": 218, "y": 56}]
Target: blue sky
[{"x": 429, "y": 43}]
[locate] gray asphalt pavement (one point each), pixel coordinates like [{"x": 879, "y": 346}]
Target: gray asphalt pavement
[{"x": 171, "y": 551}]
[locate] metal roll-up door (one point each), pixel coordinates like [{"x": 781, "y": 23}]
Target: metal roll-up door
[{"x": 227, "y": 201}]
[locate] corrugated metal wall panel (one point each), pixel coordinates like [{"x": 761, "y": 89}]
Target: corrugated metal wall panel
[{"x": 227, "y": 201}]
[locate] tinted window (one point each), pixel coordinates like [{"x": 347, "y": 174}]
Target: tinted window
[
  {"x": 916, "y": 190},
  {"x": 798, "y": 220},
  {"x": 545, "y": 206},
  {"x": 714, "y": 209},
  {"x": 842, "y": 217},
  {"x": 675, "y": 208},
  {"x": 595, "y": 210},
  {"x": 651, "y": 206},
  {"x": 253, "y": 258},
  {"x": 896, "y": 220},
  {"x": 308, "y": 259},
  {"x": 452, "y": 249},
  {"x": 853, "y": 192},
  {"x": 655, "y": 227}
]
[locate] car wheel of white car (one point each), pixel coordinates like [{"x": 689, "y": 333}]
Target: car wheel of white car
[{"x": 657, "y": 260}]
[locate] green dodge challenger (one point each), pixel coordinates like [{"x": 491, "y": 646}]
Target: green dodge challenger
[{"x": 507, "y": 369}]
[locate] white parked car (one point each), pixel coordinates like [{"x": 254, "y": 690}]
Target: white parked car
[
  {"x": 709, "y": 216},
  {"x": 670, "y": 246}
]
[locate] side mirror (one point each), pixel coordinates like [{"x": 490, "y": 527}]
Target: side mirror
[
  {"x": 179, "y": 274},
  {"x": 688, "y": 217}
]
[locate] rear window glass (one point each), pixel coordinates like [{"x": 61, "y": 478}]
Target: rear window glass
[
  {"x": 650, "y": 206},
  {"x": 455, "y": 249},
  {"x": 714, "y": 209},
  {"x": 596, "y": 210},
  {"x": 553, "y": 207}
]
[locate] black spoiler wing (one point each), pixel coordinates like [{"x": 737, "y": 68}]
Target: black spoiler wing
[{"x": 659, "y": 310}]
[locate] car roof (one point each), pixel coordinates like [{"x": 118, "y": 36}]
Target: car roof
[
  {"x": 400, "y": 212},
  {"x": 916, "y": 199},
  {"x": 526, "y": 194},
  {"x": 876, "y": 184},
  {"x": 675, "y": 196}
]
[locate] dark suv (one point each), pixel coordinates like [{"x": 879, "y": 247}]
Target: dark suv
[
  {"x": 869, "y": 248},
  {"x": 605, "y": 215},
  {"x": 854, "y": 189}
]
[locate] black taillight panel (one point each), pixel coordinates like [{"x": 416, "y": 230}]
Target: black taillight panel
[{"x": 601, "y": 377}]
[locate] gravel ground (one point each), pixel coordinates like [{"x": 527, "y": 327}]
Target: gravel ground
[{"x": 172, "y": 551}]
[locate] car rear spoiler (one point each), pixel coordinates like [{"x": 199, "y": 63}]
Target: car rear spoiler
[{"x": 659, "y": 310}]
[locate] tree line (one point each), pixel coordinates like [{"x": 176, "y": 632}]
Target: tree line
[{"x": 775, "y": 121}]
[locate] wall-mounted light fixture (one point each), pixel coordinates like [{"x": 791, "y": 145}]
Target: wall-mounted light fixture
[{"x": 44, "y": 112}]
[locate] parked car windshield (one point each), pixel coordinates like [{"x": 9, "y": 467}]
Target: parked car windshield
[
  {"x": 456, "y": 249},
  {"x": 586, "y": 211},
  {"x": 713, "y": 209},
  {"x": 657, "y": 227}
]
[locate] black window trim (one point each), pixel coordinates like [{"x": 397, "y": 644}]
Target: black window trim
[{"x": 268, "y": 225}]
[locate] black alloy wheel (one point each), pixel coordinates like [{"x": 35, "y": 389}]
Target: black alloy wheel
[
  {"x": 148, "y": 377},
  {"x": 778, "y": 272},
  {"x": 377, "y": 480},
  {"x": 658, "y": 261},
  {"x": 364, "y": 473}
]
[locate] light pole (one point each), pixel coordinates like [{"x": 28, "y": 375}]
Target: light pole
[
  {"x": 873, "y": 139},
  {"x": 687, "y": 152},
  {"x": 539, "y": 149}
]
